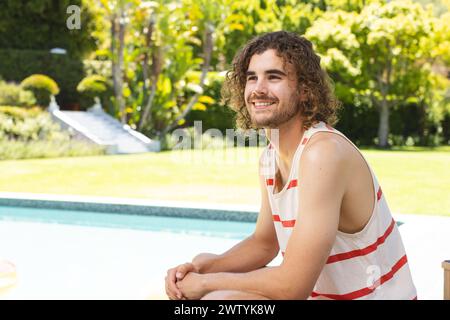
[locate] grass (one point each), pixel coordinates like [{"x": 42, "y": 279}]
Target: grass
[{"x": 414, "y": 180}]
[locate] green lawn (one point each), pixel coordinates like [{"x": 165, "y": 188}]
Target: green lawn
[{"x": 413, "y": 180}]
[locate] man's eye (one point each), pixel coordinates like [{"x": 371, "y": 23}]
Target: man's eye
[
  {"x": 274, "y": 78},
  {"x": 251, "y": 78}
]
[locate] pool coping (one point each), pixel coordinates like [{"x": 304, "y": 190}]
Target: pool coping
[{"x": 179, "y": 209}]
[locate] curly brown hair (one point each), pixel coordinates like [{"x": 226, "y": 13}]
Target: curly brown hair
[{"x": 320, "y": 103}]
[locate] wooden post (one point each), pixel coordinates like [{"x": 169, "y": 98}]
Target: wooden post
[{"x": 446, "y": 266}]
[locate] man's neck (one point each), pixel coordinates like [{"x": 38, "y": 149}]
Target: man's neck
[{"x": 289, "y": 135}]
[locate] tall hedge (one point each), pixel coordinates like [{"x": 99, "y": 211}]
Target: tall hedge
[
  {"x": 30, "y": 29},
  {"x": 66, "y": 71},
  {"x": 41, "y": 25}
]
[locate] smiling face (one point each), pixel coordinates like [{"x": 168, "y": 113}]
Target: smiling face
[{"x": 271, "y": 94}]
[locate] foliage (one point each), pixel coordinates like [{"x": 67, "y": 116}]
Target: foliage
[
  {"x": 30, "y": 133},
  {"x": 91, "y": 87},
  {"x": 41, "y": 25},
  {"x": 65, "y": 70},
  {"x": 14, "y": 95},
  {"x": 210, "y": 111},
  {"x": 42, "y": 86},
  {"x": 30, "y": 29},
  {"x": 384, "y": 57},
  {"x": 27, "y": 125}
]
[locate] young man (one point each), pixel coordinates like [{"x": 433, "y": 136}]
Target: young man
[{"x": 321, "y": 204}]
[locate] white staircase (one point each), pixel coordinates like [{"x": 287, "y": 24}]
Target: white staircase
[{"x": 100, "y": 128}]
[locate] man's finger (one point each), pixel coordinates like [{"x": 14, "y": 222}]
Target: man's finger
[
  {"x": 172, "y": 288},
  {"x": 167, "y": 290},
  {"x": 167, "y": 282},
  {"x": 170, "y": 294},
  {"x": 183, "y": 270}
]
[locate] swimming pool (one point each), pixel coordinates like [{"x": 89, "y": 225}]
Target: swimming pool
[
  {"x": 64, "y": 254},
  {"x": 67, "y": 254},
  {"x": 202, "y": 227}
]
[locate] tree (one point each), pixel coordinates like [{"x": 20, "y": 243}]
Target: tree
[
  {"x": 118, "y": 15},
  {"x": 246, "y": 19},
  {"x": 154, "y": 64},
  {"x": 383, "y": 55}
]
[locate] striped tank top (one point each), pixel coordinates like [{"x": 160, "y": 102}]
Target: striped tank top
[{"x": 369, "y": 264}]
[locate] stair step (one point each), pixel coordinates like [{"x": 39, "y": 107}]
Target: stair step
[{"x": 108, "y": 131}]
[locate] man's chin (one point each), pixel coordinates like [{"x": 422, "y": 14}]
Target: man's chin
[{"x": 266, "y": 123}]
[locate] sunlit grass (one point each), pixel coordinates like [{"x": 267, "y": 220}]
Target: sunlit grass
[{"x": 414, "y": 181}]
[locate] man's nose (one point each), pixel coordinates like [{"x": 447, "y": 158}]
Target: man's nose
[{"x": 261, "y": 87}]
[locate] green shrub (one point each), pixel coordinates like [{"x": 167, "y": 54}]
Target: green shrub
[
  {"x": 215, "y": 114},
  {"x": 31, "y": 133},
  {"x": 14, "y": 95},
  {"x": 91, "y": 87},
  {"x": 42, "y": 86},
  {"x": 28, "y": 125},
  {"x": 20, "y": 113},
  {"x": 66, "y": 70}
]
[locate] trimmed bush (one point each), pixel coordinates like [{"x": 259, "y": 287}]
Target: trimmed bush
[
  {"x": 12, "y": 94},
  {"x": 19, "y": 114},
  {"x": 28, "y": 125},
  {"x": 91, "y": 87},
  {"x": 67, "y": 71},
  {"x": 42, "y": 86}
]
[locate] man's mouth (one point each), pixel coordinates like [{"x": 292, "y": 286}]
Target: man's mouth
[{"x": 262, "y": 104}]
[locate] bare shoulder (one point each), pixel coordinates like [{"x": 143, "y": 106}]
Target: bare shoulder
[{"x": 327, "y": 149}]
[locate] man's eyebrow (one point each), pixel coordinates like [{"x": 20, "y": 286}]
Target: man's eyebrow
[
  {"x": 276, "y": 71},
  {"x": 270, "y": 71}
]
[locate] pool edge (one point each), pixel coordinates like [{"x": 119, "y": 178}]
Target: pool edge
[{"x": 130, "y": 206}]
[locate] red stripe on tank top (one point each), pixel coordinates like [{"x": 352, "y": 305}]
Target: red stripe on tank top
[
  {"x": 368, "y": 290},
  {"x": 292, "y": 184},
  {"x": 284, "y": 223},
  {"x": 379, "y": 193},
  {"x": 365, "y": 251}
]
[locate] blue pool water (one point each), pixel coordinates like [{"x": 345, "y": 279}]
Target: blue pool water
[
  {"x": 211, "y": 228},
  {"x": 68, "y": 254}
]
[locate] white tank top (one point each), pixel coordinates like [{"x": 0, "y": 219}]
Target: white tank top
[{"x": 369, "y": 264}]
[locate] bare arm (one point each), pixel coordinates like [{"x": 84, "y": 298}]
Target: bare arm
[
  {"x": 323, "y": 170},
  {"x": 252, "y": 253}
]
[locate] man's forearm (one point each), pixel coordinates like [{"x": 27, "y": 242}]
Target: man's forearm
[
  {"x": 270, "y": 282},
  {"x": 246, "y": 256}
]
